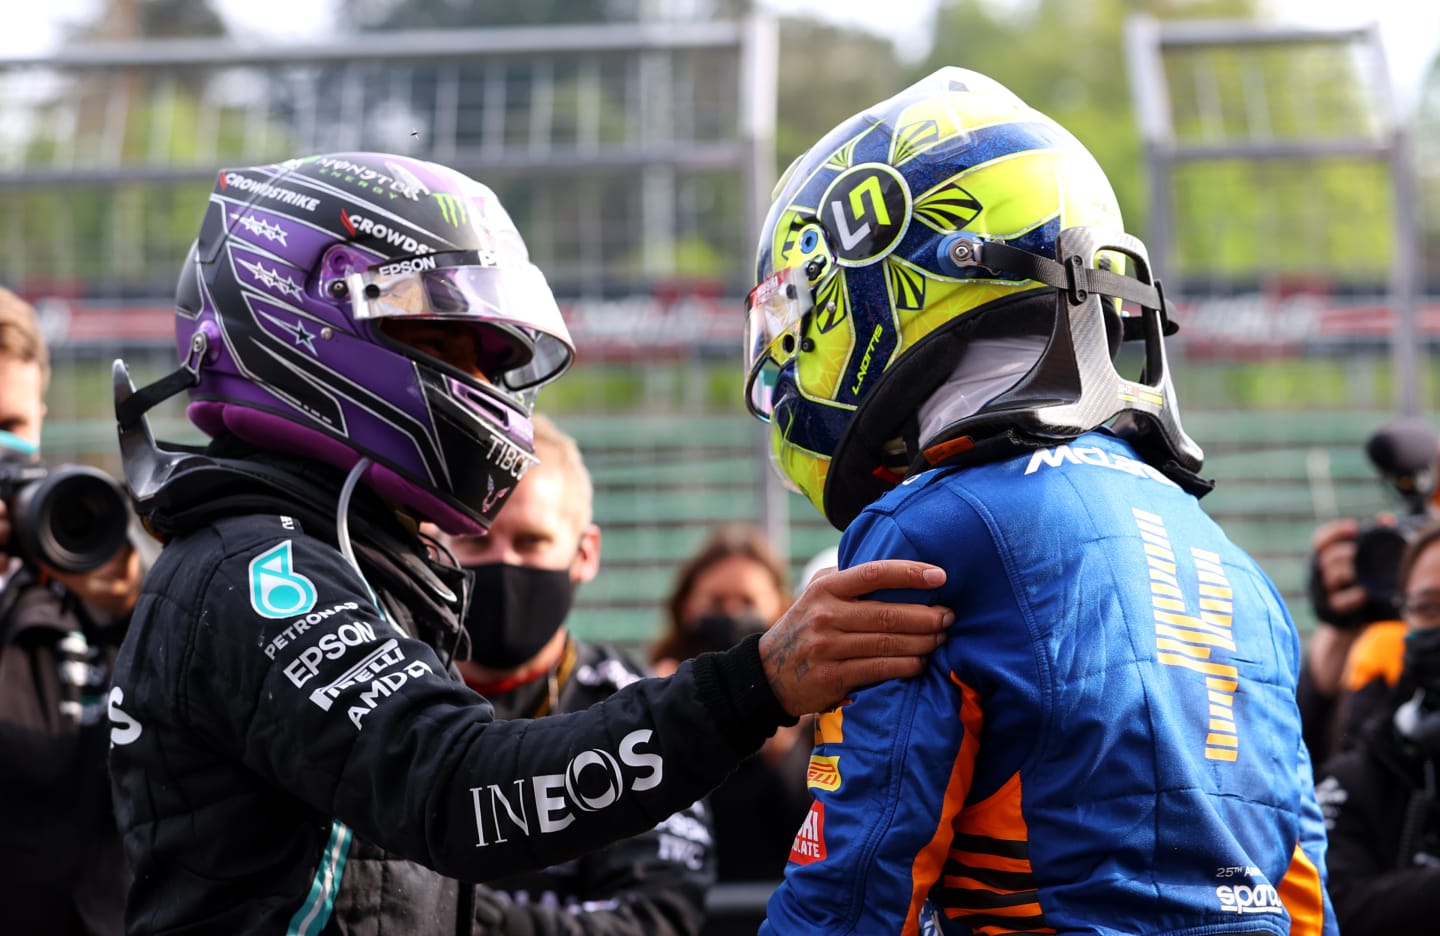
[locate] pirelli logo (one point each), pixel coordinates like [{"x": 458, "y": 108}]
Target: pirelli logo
[
  {"x": 372, "y": 667},
  {"x": 1193, "y": 630},
  {"x": 824, "y": 772}
]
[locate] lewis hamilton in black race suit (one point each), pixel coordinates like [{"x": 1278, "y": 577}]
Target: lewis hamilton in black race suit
[{"x": 360, "y": 335}]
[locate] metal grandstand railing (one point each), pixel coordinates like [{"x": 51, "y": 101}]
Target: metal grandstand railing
[
  {"x": 636, "y": 158},
  {"x": 657, "y": 108},
  {"x": 1261, "y": 135}
]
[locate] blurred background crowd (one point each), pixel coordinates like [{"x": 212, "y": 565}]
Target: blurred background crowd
[{"x": 1278, "y": 160}]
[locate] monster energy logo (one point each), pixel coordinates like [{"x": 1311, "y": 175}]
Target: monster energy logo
[{"x": 452, "y": 209}]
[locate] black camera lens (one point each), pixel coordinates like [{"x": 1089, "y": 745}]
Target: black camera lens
[{"x": 73, "y": 519}]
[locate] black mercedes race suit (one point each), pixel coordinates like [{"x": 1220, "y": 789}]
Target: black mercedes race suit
[
  {"x": 651, "y": 884},
  {"x": 289, "y": 757}
]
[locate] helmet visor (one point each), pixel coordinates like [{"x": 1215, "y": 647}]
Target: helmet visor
[
  {"x": 462, "y": 286},
  {"x": 774, "y": 324}
]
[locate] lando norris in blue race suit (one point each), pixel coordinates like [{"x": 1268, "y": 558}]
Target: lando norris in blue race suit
[{"x": 1109, "y": 741}]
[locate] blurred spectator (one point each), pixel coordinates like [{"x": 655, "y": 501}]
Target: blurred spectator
[
  {"x": 62, "y": 872},
  {"x": 1352, "y": 657},
  {"x": 526, "y": 662},
  {"x": 1354, "y": 654},
  {"x": 733, "y": 586},
  {"x": 1380, "y": 800}
]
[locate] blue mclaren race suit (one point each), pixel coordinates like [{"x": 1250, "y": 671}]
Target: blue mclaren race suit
[{"x": 1108, "y": 742}]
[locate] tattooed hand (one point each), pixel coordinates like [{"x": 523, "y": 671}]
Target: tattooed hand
[{"x": 832, "y": 640}]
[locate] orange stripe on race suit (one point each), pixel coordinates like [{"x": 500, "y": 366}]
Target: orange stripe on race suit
[
  {"x": 998, "y": 817},
  {"x": 1302, "y": 896},
  {"x": 962, "y": 882},
  {"x": 992, "y": 836},
  {"x": 925, "y": 870},
  {"x": 830, "y": 726}
]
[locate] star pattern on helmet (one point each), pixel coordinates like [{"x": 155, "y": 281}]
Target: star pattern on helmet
[
  {"x": 303, "y": 337},
  {"x": 272, "y": 279},
  {"x": 265, "y": 229}
]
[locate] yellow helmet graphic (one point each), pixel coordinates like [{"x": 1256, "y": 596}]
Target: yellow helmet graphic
[{"x": 950, "y": 213}]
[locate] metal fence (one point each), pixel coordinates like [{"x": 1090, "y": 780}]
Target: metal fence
[
  {"x": 635, "y": 157},
  {"x": 1283, "y": 207}
]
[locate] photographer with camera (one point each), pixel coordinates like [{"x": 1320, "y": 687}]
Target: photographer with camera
[
  {"x": 1354, "y": 655},
  {"x": 67, "y": 585},
  {"x": 1380, "y": 799}
]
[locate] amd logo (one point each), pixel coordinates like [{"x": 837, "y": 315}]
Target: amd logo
[{"x": 592, "y": 781}]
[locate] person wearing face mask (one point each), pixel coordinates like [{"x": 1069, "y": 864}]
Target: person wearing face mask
[
  {"x": 735, "y": 585},
  {"x": 1381, "y": 801},
  {"x": 525, "y": 573}
]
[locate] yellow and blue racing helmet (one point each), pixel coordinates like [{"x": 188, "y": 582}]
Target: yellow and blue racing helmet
[{"x": 950, "y": 212}]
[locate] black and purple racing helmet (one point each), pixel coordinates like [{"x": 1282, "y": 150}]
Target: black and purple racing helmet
[{"x": 304, "y": 283}]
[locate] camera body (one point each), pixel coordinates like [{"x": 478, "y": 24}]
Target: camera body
[
  {"x": 73, "y": 518},
  {"x": 1403, "y": 453},
  {"x": 1378, "y": 549}
]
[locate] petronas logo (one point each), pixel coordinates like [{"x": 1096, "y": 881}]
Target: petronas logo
[
  {"x": 452, "y": 209},
  {"x": 276, "y": 589}
]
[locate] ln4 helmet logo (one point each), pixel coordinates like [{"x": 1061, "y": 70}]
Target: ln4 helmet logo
[{"x": 276, "y": 589}]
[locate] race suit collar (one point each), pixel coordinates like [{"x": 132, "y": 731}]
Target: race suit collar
[{"x": 236, "y": 479}]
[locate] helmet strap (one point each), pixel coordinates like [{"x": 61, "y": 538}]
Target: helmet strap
[
  {"x": 136, "y": 403},
  {"x": 133, "y": 409}
]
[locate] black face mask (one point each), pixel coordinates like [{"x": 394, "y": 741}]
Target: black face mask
[
  {"x": 723, "y": 631},
  {"x": 1422, "y": 659},
  {"x": 514, "y": 611},
  {"x": 1417, "y": 720}
]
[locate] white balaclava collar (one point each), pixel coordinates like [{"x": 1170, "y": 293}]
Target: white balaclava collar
[{"x": 988, "y": 368}]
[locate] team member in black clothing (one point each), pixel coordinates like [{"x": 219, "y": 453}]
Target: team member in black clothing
[
  {"x": 61, "y": 868},
  {"x": 361, "y": 335},
  {"x": 1381, "y": 802},
  {"x": 527, "y": 664}
]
